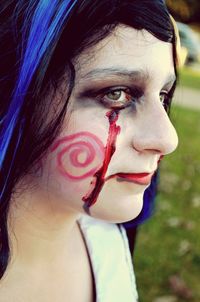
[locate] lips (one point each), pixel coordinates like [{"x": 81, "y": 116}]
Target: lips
[{"x": 138, "y": 178}]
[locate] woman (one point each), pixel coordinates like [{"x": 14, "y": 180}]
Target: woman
[{"x": 85, "y": 90}]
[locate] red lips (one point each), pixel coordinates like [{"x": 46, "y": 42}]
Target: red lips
[{"x": 138, "y": 178}]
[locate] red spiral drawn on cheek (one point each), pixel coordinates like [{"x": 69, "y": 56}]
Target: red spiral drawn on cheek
[{"x": 83, "y": 144}]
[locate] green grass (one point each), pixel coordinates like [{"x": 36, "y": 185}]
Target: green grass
[
  {"x": 157, "y": 255},
  {"x": 189, "y": 78}
]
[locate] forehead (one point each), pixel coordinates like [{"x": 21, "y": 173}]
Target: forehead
[{"x": 126, "y": 49}]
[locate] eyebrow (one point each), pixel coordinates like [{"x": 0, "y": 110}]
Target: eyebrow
[{"x": 132, "y": 75}]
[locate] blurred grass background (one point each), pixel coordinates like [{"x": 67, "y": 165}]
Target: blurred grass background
[
  {"x": 190, "y": 78},
  {"x": 169, "y": 243}
]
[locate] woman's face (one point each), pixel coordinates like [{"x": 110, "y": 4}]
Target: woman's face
[{"x": 116, "y": 129}]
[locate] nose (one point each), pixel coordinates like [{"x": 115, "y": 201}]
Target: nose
[{"x": 155, "y": 131}]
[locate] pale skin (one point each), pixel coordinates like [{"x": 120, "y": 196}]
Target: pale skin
[{"x": 49, "y": 260}]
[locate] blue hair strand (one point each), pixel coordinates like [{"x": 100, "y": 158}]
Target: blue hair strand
[{"x": 46, "y": 26}]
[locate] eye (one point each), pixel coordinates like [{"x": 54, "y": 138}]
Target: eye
[
  {"x": 118, "y": 98},
  {"x": 165, "y": 99}
]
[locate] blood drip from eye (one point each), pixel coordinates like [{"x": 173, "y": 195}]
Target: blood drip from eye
[{"x": 99, "y": 177}]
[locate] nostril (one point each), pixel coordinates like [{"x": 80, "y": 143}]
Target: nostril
[
  {"x": 155, "y": 142},
  {"x": 145, "y": 144}
]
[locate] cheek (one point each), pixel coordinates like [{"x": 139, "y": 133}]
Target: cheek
[
  {"x": 78, "y": 156},
  {"x": 74, "y": 159}
]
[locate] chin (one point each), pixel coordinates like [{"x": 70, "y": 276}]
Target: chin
[{"x": 118, "y": 209}]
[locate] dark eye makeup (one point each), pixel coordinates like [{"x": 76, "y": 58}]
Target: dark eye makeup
[
  {"x": 121, "y": 97},
  {"x": 115, "y": 97},
  {"x": 167, "y": 96}
]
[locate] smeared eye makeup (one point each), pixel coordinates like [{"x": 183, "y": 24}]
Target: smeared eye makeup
[
  {"x": 166, "y": 97},
  {"x": 121, "y": 97},
  {"x": 115, "y": 97}
]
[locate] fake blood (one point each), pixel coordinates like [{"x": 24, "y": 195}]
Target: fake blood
[{"x": 99, "y": 177}]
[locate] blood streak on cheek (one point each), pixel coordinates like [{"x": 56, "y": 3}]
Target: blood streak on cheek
[{"x": 99, "y": 177}]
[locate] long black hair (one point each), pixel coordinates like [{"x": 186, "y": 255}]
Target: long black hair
[{"x": 39, "y": 39}]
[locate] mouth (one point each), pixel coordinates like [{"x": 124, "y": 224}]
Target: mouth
[{"x": 137, "y": 178}]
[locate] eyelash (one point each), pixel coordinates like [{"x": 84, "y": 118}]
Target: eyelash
[
  {"x": 166, "y": 102},
  {"x": 133, "y": 98}
]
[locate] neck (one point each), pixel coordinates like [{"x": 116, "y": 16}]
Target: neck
[{"x": 40, "y": 232}]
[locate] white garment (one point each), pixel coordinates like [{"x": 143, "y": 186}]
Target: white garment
[{"x": 111, "y": 261}]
